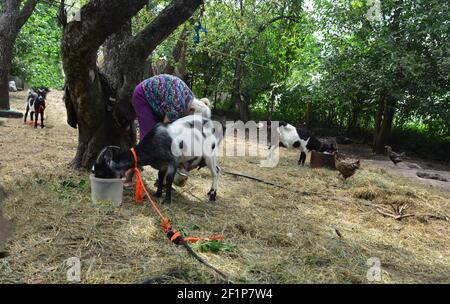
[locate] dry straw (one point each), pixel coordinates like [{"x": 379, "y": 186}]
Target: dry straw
[{"x": 279, "y": 236}]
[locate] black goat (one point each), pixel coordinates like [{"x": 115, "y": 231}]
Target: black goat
[
  {"x": 191, "y": 142},
  {"x": 309, "y": 142},
  {"x": 36, "y": 105}
]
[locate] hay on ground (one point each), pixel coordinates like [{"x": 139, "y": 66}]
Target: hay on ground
[{"x": 278, "y": 236}]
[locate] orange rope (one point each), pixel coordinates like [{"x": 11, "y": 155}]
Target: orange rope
[
  {"x": 165, "y": 224},
  {"x": 140, "y": 187}
]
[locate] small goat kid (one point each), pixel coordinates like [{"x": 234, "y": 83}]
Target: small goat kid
[
  {"x": 190, "y": 142},
  {"x": 36, "y": 105}
]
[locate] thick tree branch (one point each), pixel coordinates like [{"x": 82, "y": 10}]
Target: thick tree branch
[
  {"x": 100, "y": 19},
  {"x": 8, "y": 14},
  {"x": 62, "y": 14},
  {"x": 176, "y": 13},
  {"x": 26, "y": 12}
]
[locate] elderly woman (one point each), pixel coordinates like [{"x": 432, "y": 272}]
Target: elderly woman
[{"x": 163, "y": 98}]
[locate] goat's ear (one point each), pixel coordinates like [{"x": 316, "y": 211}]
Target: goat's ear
[
  {"x": 108, "y": 156},
  {"x": 111, "y": 153}
]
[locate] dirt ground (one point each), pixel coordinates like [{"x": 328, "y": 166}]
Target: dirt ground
[
  {"x": 408, "y": 168},
  {"x": 327, "y": 233},
  {"x": 25, "y": 150}
]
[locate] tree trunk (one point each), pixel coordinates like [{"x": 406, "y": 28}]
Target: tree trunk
[
  {"x": 94, "y": 96},
  {"x": 178, "y": 67},
  {"x": 6, "y": 48},
  {"x": 353, "y": 121},
  {"x": 113, "y": 51},
  {"x": 12, "y": 18},
  {"x": 378, "y": 119},
  {"x": 148, "y": 68},
  {"x": 4, "y": 83},
  {"x": 215, "y": 100},
  {"x": 309, "y": 115},
  {"x": 386, "y": 126},
  {"x": 91, "y": 107},
  {"x": 271, "y": 106},
  {"x": 177, "y": 64},
  {"x": 236, "y": 93}
]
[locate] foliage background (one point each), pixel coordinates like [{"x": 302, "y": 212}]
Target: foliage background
[
  {"x": 326, "y": 65},
  {"x": 37, "y": 58}
]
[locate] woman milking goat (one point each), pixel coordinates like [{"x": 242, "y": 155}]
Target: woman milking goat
[{"x": 160, "y": 99}]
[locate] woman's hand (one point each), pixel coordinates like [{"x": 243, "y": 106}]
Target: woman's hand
[{"x": 166, "y": 119}]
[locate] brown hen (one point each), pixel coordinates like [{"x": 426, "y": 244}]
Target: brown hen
[
  {"x": 395, "y": 157},
  {"x": 347, "y": 168}
]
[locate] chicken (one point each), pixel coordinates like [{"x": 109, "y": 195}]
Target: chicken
[
  {"x": 347, "y": 168},
  {"x": 395, "y": 157}
]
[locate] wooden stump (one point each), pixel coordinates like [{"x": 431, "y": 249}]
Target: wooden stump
[{"x": 320, "y": 160}]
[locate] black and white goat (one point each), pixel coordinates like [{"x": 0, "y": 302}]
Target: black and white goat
[
  {"x": 301, "y": 138},
  {"x": 190, "y": 142},
  {"x": 36, "y": 105}
]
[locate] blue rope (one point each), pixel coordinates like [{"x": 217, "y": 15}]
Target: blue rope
[{"x": 197, "y": 29}]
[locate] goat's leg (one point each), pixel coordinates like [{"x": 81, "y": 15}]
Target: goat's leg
[
  {"x": 160, "y": 183},
  {"x": 212, "y": 165},
  {"x": 306, "y": 151},
  {"x": 42, "y": 119},
  {"x": 26, "y": 113},
  {"x": 170, "y": 174},
  {"x": 302, "y": 159},
  {"x": 32, "y": 115},
  {"x": 36, "y": 116},
  {"x": 272, "y": 157}
]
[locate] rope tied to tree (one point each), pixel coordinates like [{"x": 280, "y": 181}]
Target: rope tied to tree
[{"x": 199, "y": 27}]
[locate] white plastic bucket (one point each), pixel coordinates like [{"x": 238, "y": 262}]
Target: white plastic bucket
[{"x": 106, "y": 189}]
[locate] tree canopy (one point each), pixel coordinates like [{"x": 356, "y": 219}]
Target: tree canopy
[{"x": 366, "y": 67}]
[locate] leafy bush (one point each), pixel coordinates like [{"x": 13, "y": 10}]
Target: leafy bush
[{"x": 37, "y": 58}]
